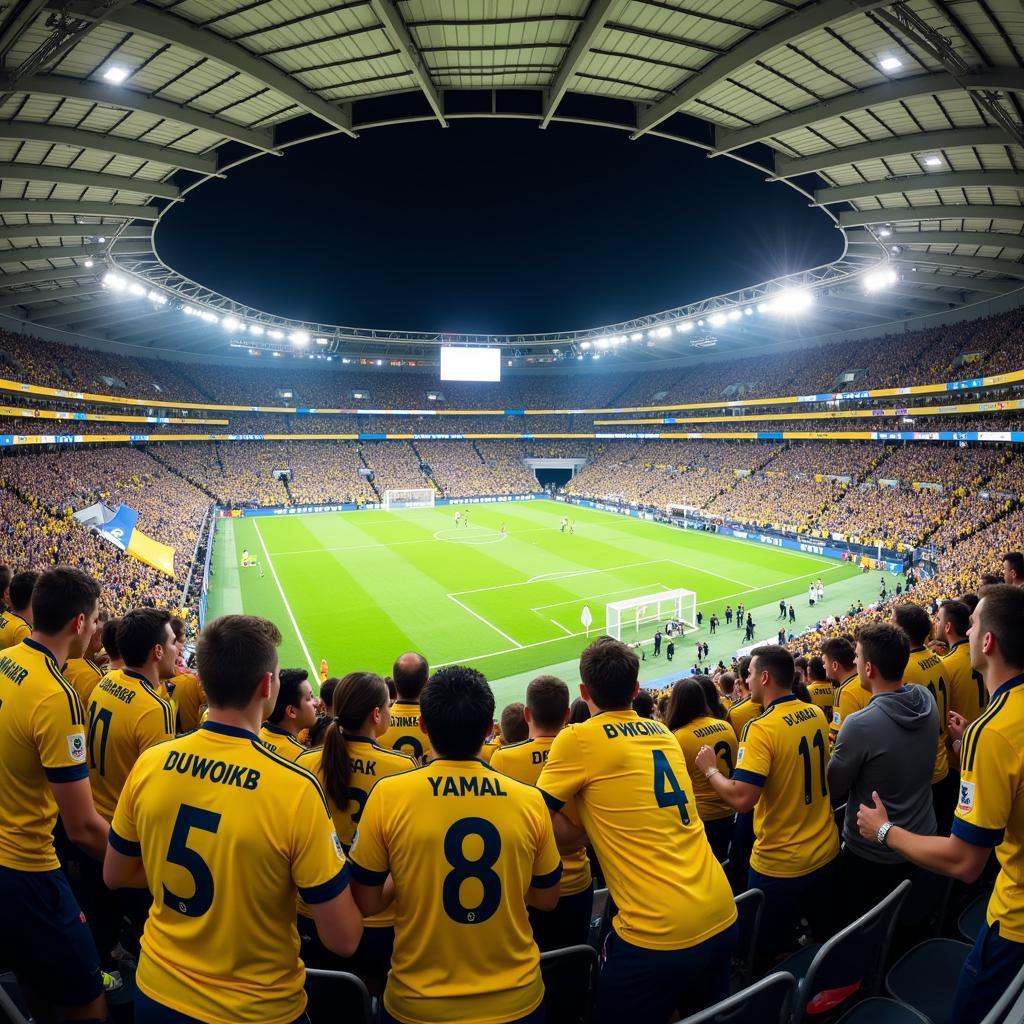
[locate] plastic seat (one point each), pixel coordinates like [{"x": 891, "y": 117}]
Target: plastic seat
[
  {"x": 570, "y": 983},
  {"x": 926, "y": 978},
  {"x": 749, "y": 908},
  {"x": 343, "y": 992},
  {"x": 851, "y": 962},
  {"x": 1010, "y": 1007},
  {"x": 878, "y": 1010},
  {"x": 10, "y": 1002},
  {"x": 600, "y": 918},
  {"x": 972, "y": 919},
  {"x": 765, "y": 1002}
]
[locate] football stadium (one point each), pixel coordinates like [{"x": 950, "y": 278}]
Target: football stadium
[{"x": 636, "y": 632}]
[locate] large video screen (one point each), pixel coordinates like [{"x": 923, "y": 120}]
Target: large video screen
[{"x": 471, "y": 364}]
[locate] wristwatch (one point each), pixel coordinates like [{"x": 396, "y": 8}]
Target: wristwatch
[{"x": 883, "y": 832}]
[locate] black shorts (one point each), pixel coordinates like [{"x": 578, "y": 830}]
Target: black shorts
[{"x": 44, "y": 937}]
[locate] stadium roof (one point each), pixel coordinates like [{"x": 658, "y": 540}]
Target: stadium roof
[{"x": 901, "y": 121}]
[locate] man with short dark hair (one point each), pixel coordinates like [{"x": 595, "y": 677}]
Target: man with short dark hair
[
  {"x": 410, "y": 674},
  {"x": 1013, "y": 568},
  {"x": 819, "y": 688},
  {"x": 675, "y": 927},
  {"x": 547, "y": 710},
  {"x": 514, "y": 728},
  {"x": 85, "y": 672},
  {"x": 6, "y": 574},
  {"x": 294, "y": 711},
  {"x": 848, "y": 696},
  {"x": 780, "y": 774},
  {"x": 422, "y": 834},
  {"x": 44, "y": 937},
  {"x": 990, "y": 809},
  {"x": 220, "y": 942},
  {"x": 967, "y": 696},
  {"x": 16, "y": 624},
  {"x": 887, "y": 747}
]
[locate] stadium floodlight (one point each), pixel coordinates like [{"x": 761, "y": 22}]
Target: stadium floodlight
[
  {"x": 101, "y": 239},
  {"x": 229, "y": 323},
  {"x": 734, "y": 314},
  {"x": 596, "y": 355},
  {"x": 749, "y": 311},
  {"x": 880, "y": 279},
  {"x": 663, "y": 332},
  {"x": 717, "y": 319},
  {"x": 276, "y": 335},
  {"x": 884, "y": 232},
  {"x": 618, "y": 339},
  {"x": 890, "y": 63},
  {"x": 638, "y": 336},
  {"x": 792, "y": 301},
  {"x": 256, "y": 330},
  {"x": 210, "y": 318},
  {"x": 933, "y": 161},
  {"x": 322, "y": 341},
  {"x": 88, "y": 262},
  {"x": 136, "y": 289},
  {"x": 764, "y": 307},
  {"x": 602, "y": 343},
  {"x": 685, "y": 326},
  {"x": 158, "y": 297},
  {"x": 114, "y": 282},
  {"x": 116, "y": 74},
  {"x": 584, "y": 345},
  {"x": 300, "y": 338},
  {"x": 895, "y": 250}
]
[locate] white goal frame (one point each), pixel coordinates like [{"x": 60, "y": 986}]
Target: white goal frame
[
  {"x": 651, "y": 609},
  {"x": 409, "y": 497}
]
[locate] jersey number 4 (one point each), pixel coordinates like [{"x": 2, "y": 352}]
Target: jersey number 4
[
  {"x": 667, "y": 790},
  {"x": 179, "y": 852}
]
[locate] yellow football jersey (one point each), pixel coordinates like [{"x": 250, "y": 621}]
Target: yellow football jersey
[
  {"x": 967, "y": 694},
  {"x": 126, "y": 717},
  {"x": 742, "y": 712},
  {"x": 719, "y": 736},
  {"x": 13, "y": 629},
  {"x": 229, "y": 833},
  {"x": 189, "y": 698},
  {"x": 464, "y": 845},
  {"x": 281, "y": 742},
  {"x": 524, "y": 761},
  {"x": 636, "y": 802},
  {"x": 488, "y": 750},
  {"x": 42, "y": 740},
  {"x": 848, "y": 697},
  {"x": 990, "y": 806},
  {"x": 83, "y": 674},
  {"x": 405, "y": 733},
  {"x": 926, "y": 668},
  {"x": 822, "y": 694},
  {"x": 370, "y": 763},
  {"x": 784, "y": 752}
]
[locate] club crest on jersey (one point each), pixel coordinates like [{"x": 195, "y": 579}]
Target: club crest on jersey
[
  {"x": 739, "y": 756},
  {"x": 966, "y": 802},
  {"x": 76, "y": 747},
  {"x": 337, "y": 846}
]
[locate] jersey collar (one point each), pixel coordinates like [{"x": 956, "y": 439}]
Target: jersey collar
[
  {"x": 29, "y": 642},
  {"x": 137, "y": 676},
  {"x": 1009, "y": 685},
  {"x": 959, "y": 643},
  {"x": 848, "y": 679},
  {"x": 782, "y": 700},
  {"x": 277, "y": 731},
  {"x": 358, "y": 739},
  {"x": 22, "y": 617},
  {"x": 229, "y": 730}
]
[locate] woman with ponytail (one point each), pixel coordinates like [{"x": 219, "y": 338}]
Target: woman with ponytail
[{"x": 347, "y": 765}]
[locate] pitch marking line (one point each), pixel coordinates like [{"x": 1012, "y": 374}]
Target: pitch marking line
[
  {"x": 287, "y": 606},
  {"x": 476, "y": 615},
  {"x": 399, "y": 543},
  {"x": 567, "y": 632},
  {"x": 593, "y": 597}
]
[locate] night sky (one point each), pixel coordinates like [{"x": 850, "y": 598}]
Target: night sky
[{"x": 489, "y": 226}]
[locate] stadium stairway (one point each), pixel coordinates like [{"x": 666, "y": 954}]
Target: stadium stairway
[
  {"x": 369, "y": 480},
  {"x": 171, "y": 468}
]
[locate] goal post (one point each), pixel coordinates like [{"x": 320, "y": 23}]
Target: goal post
[
  {"x": 626, "y": 618},
  {"x": 409, "y": 497}
]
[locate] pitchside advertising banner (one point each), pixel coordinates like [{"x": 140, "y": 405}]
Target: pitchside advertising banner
[{"x": 302, "y": 510}]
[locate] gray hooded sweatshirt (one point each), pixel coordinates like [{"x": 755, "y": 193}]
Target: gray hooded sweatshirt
[{"x": 888, "y": 747}]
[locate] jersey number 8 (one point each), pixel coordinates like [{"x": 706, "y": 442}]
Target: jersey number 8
[{"x": 478, "y": 870}]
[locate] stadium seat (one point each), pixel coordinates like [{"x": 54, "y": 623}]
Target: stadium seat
[
  {"x": 926, "y": 978},
  {"x": 765, "y": 1002},
  {"x": 570, "y": 983},
  {"x": 1010, "y": 1007},
  {"x": 345, "y": 993},
  {"x": 9, "y": 1009},
  {"x": 750, "y": 907},
  {"x": 972, "y": 918},
  {"x": 850, "y": 963},
  {"x": 878, "y": 1010},
  {"x": 601, "y": 918}
]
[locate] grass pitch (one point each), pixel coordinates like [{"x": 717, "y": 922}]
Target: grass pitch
[{"x": 358, "y": 588}]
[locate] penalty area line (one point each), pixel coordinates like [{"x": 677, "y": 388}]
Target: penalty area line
[
  {"x": 287, "y": 606},
  {"x": 486, "y": 622}
]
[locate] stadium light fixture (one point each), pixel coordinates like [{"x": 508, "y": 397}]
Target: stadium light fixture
[
  {"x": 321, "y": 341},
  {"x": 717, "y": 319},
  {"x": 88, "y": 262},
  {"x": 584, "y": 345},
  {"x": 602, "y": 343},
  {"x": 933, "y": 161},
  {"x": 734, "y": 314},
  {"x": 210, "y": 318},
  {"x": 114, "y": 282},
  {"x": 638, "y": 336},
  {"x": 299, "y": 338},
  {"x": 101, "y": 239},
  {"x": 895, "y": 250},
  {"x": 116, "y": 74},
  {"x": 158, "y": 297},
  {"x": 792, "y": 301},
  {"x": 229, "y": 323},
  {"x": 749, "y": 311},
  {"x": 880, "y": 279},
  {"x": 663, "y": 332},
  {"x": 890, "y": 63},
  {"x": 276, "y": 335},
  {"x": 136, "y": 289},
  {"x": 884, "y": 232},
  {"x": 764, "y": 307},
  {"x": 685, "y": 327},
  {"x": 256, "y": 329}
]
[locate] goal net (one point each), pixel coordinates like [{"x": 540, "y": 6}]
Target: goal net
[
  {"x": 627, "y": 619},
  {"x": 412, "y": 497}
]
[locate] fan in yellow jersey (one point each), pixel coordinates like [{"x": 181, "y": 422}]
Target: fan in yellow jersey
[
  {"x": 227, "y": 835},
  {"x": 820, "y": 690},
  {"x": 990, "y": 807},
  {"x": 744, "y": 707},
  {"x": 466, "y": 849},
  {"x": 348, "y": 766},
  {"x": 967, "y": 696},
  {"x": 410, "y": 674},
  {"x": 16, "y": 624},
  {"x": 185, "y": 691},
  {"x": 546, "y": 712},
  {"x": 925, "y": 668},
  {"x": 294, "y": 711},
  {"x": 674, "y": 932},
  {"x": 691, "y": 723},
  {"x": 780, "y": 772},
  {"x": 43, "y": 934},
  {"x": 85, "y": 672},
  {"x": 848, "y": 696}
]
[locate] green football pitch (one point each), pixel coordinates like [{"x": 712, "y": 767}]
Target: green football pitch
[{"x": 358, "y": 588}]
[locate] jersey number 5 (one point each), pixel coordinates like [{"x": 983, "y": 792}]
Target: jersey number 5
[{"x": 178, "y": 852}]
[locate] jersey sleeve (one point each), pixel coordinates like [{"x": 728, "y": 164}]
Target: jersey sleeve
[
  {"x": 368, "y": 856},
  {"x": 155, "y": 726},
  {"x": 988, "y": 785},
  {"x": 754, "y": 758},
  {"x": 547, "y": 865},
  {"x": 124, "y": 833},
  {"x": 58, "y": 730},
  {"x": 564, "y": 773},
  {"x": 319, "y": 869}
]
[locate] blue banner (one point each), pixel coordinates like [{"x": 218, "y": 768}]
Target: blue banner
[{"x": 119, "y": 529}]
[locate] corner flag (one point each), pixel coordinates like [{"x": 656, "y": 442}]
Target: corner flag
[{"x": 586, "y": 618}]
